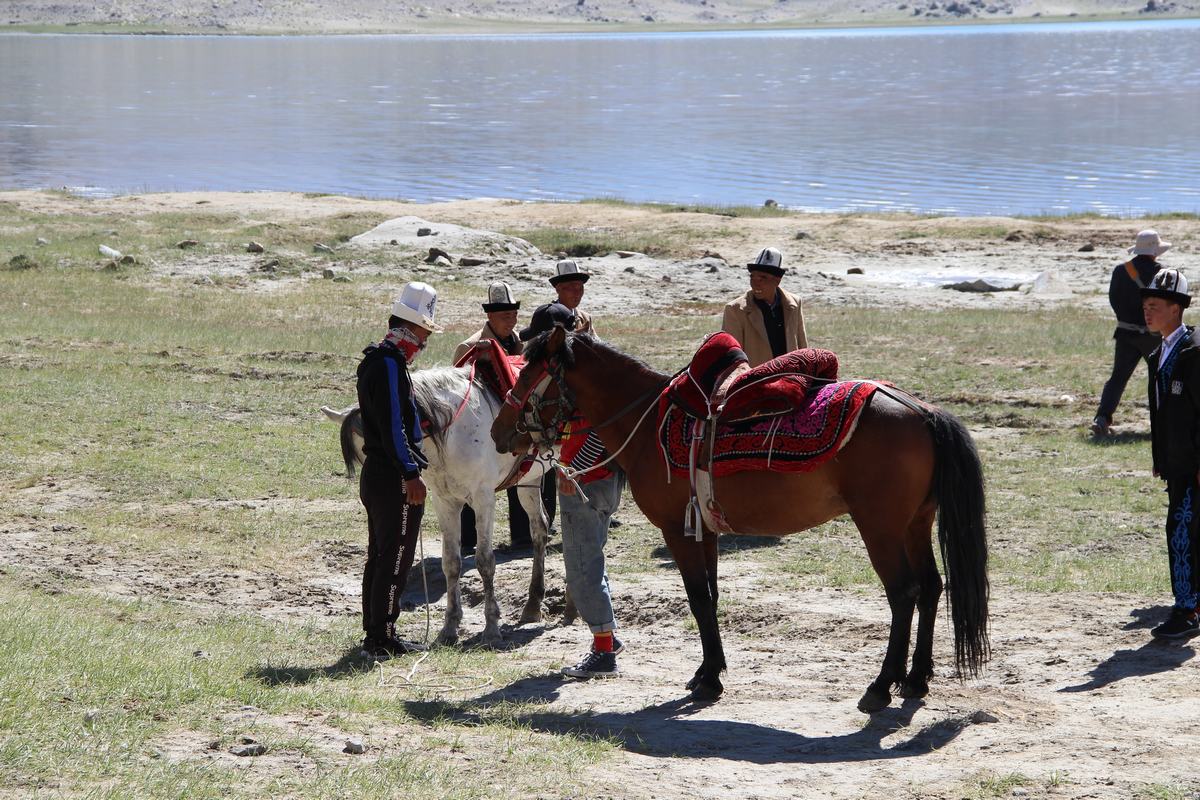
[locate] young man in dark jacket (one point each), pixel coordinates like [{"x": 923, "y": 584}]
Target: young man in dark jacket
[
  {"x": 1175, "y": 437},
  {"x": 391, "y": 488},
  {"x": 1132, "y": 340}
]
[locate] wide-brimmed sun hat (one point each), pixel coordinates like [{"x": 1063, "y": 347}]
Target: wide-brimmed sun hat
[
  {"x": 768, "y": 260},
  {"x": 568, "y": 270},
  {"x": 500, "y": 299},
  {"x": 1148, "y": 243},
  {"x": 1169, "y": 284},
  {"x": 418, "y": 304}
]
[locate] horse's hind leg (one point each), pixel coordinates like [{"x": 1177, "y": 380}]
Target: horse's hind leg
[
  {"x": 449, "y": 515},
  {"x": 693, "y": 558},
  {"x": 919, "y": 547},
  {"x": 531, "y": 501},
  {"x": 886, "y": 550}
]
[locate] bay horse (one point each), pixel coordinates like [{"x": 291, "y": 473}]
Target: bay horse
[
  {"x": 902, "y": 467},
  {"x": 460, "y": 409}
]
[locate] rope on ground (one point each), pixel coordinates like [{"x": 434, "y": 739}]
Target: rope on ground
[{"x": 405, "y": 681}]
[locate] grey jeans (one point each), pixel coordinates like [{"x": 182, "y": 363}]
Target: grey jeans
[{"x": 585, "y": 532}]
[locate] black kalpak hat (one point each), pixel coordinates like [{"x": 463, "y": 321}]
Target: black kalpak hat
[
  {"x": 1169, "y": 284},
  {"x": 546, "y": 317},
  {"x": 769, "y": 261},
  {"x": 500, "y": 299}
]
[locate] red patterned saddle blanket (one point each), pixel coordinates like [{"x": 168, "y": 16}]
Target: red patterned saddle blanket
[
  {"x": 495, "y": 368},
  {"x": 788, "y": 415}
]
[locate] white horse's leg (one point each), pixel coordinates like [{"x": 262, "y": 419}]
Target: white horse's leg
[
  {"x": 449, "y": 514},
  {"x": 485, "y": 562},
  {"x": 531, "y": 501}
]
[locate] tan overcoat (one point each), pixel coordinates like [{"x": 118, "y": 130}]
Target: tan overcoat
[
  {"x": 744, "y": 321},
  {"x": 485, "y": 332}
]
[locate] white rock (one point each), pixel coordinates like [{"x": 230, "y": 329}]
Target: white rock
[
  {"x": 108, "y": 252},
  {"x": 354, "y": 746}
]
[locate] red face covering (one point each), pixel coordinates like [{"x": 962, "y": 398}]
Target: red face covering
[{"x": 404, "y": 340}]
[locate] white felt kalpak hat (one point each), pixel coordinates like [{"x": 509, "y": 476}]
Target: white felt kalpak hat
[
  {"x": 768, "y": 260},
  {"x": 418, "y": 304},
  {"x": 1169, "y": 284},
  {"x": 1148, "y": 244},
  {"x": 500, "y": 298},
  {"x": 568, "y": 270}
]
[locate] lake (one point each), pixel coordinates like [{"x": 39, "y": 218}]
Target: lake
[{"x": 976, "y": 119}]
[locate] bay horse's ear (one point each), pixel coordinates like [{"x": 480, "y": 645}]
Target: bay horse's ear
[{"x": 556, "y": 339}]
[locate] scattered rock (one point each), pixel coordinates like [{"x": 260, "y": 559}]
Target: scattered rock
[
  {"x": 354, "y": 746},
  {"x": 327, "y": 274},
  {"x": 803, "y": 235},
  {"x": 42, "y": 242},
  {"x": 322, "y": 248},
  {"x": 770, "y": 204},
  {"x": 342, "y": 279},
  {"x": 204, "y": 280},
  {"x": 1015, "y": 236},
  {"x": 270, "y": 266},
  {"x": 394, "y": 241},
  {"x": 435, "y": 253},
  {"x": 443, "y": 261},
  {"x": 248, "y": 750},
  {"x": 186, "y": 243},
  {"x": 712, "y": 269},
  {"x": 1048, "y": 282},
  {"x": 424, "y": 231},
  {"x": 982, "y": 717},
  {"x": 1067, "y": 398},
  {"x": 128, "y": 260},
  {"x": 630, "y": 270},
  {"x": 108, "y": 252},
  {"x": 110, "y": 266},
  {"x": 472, "y": 261},
  {"x": 90, "y": 717},
  {"x": 1087, "y": 248},
  {"x": 254, "y": 247},
  {"x": 666, "y": 279},
  {"x": 855, "y": 271},
  {"x": 626, "y": 253},
  {"x": 200, "y": 654}
]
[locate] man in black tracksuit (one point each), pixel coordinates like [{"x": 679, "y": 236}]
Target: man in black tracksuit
[
  {"x": 1132, "y": 341},
  {"x": 1175, "y": 437},
  {"x": 391, "y": 488}
]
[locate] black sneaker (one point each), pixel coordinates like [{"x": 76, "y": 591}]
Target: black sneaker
[
  {"x": 594, "y": 665},
  {"x": 618, "y": 646},
  {"x": 1182, "y": 624},
  {"x": 383, "y": 649}
]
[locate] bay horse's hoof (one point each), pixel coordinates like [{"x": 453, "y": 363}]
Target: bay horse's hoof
[
  {"x": 707, "y": 693},
  {"x": 874, "y": 700},
  {"x": 447, "y": 639},
  {"x": 912, "y": 690}
]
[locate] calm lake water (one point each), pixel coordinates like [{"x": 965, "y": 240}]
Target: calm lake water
[{"x": 959, "y": 120}]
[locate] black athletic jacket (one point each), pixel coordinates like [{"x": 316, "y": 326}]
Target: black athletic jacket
[
  {"x": 1124, "y": 293},
  {"x": 391, "y": 424},
  {"x": 1175, "y": 422}
]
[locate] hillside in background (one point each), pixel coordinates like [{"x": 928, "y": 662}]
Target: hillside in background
[{"x": 449, "y": 16}]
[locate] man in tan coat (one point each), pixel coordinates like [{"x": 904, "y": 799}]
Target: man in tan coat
[
  {"x": 568, "y": 283},
  {"x": 501, "y": 312},
  {"x": 768, "y": 320}
]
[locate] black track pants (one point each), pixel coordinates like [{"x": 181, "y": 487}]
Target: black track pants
[{"x": 392, "y": 526}]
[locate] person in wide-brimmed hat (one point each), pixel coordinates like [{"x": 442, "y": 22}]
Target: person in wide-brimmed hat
[
  {"x": 1132, "y": 340},
  {"x": 501, "y": 310},
  {"x": 390, "y": 485},
  {"x": 568, "y": 281},
  {"x": 1174, "y": 394},
  {"x": 767, "y": 321}
]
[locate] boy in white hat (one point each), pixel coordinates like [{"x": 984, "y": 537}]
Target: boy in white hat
[
  {"x": 1175, "y": 442},
  {"x": 390, "y": 487},
  {"x": 1132, "y": 340},
  {"x": 768, "y": 321}
]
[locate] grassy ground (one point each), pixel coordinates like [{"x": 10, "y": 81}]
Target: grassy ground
[{"x": 162, "y": 403}]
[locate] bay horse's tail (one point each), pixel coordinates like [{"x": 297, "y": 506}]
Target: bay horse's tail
[{"x": 958, "y": 488}]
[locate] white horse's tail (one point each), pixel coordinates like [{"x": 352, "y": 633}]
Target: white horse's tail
[
  {"x": 337, "y": 416},
  {"x": 351, "y": 436}
]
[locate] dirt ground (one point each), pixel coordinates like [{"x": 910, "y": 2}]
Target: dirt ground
[{"x": 1077, "y": 698}]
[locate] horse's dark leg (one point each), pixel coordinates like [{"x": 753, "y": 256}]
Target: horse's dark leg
[
  {"x": 920, "y": 555},
  {"x": 692, "y": 559}
]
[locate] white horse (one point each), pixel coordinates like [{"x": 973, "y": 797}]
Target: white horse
[{"x": 465, "y": 469}]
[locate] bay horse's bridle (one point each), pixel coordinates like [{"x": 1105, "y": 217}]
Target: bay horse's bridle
[{"x": 532, "y": 406}]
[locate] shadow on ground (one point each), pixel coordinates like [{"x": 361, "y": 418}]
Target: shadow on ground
[{"x": 671, "y": 729}]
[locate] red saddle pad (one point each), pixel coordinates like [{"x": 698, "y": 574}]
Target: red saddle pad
[{"x": 496, "y": 368}]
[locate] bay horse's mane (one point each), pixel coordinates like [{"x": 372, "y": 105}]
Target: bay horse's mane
[{"x": 535, "y": 351}]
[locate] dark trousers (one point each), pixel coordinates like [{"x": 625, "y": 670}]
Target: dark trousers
[
  {"x": 518, "y": 520},
  {"x": 1128, "y": 349},
  {"x": 392, "y": 527},
  {"x": 1183, "y": 540}
]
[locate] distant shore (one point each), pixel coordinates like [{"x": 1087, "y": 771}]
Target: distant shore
[{"x": 456, "y": 17}]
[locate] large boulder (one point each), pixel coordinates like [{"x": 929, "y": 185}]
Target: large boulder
[{"x": 414, "y": 233}]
